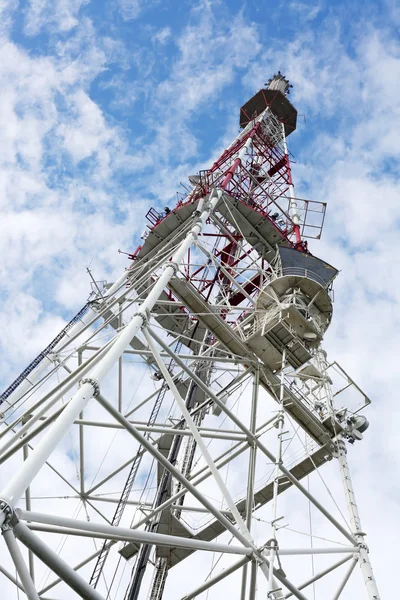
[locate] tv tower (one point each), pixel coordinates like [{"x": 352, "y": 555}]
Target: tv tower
[{"x": 197, "y": 405}]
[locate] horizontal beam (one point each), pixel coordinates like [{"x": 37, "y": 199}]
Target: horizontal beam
[
  {"x": 134, "y": 535},
  {"x": 223, "y": 359},
  {"x": 301, "y": 551},
  {"x": 234, "y": 436},
  {"x": 253, "y": 438}
]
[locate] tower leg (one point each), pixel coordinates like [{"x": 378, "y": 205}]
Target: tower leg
[
  {"x": 251, "y": 475},
  {"x": 364, "y": 559},
  {"x": 20, "y": 565}
]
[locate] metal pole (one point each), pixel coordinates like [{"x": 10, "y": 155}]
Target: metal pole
[
  {"x": 81, "y": 445},
  {"x": 252, "y": 437},
  {"x": 175, "y": 472},
  {"x": 359, "y": 535},
  {"x": 166, "y": 429},
  {"x": 76, "y": 568},
  {"x": 216, "y": 579},
  {"x": 273, "y": 543},
  {"x": 253, "y": 579},
  {"x": 199, "y": 440},
  {"x": 11, "y": 578},
  {"x": 28, "y": 506},
  {"x": 55, "y": 563},
  {"x": 135, "y": 535},
  {"x": 20, "y": 565},
  {"x": 252, "y": 467},
  {"x": 345, "y": 579},
  {"x": 320, "y": 575},
  {"x": 90, "y": 385},
  {"x": 120, "y": 322},
  {"x": 306, "y": 551}
]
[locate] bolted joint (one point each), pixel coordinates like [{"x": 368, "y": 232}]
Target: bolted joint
[
  {"x": 197, "y": 222},
  {"x": 272, "y": 544},
  {"x": 55, "y": 358},
  {"x": 361, "y": 543},
  {"x": 94, "y": 383},
  {"x": 172, "y": 264},
  {"x": 340, "y": 449},
  {"x": 144, "y": 315},
  {"x": 8, "y": 512}
]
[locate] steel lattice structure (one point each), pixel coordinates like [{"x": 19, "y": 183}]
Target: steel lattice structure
[{"x": 196, "y": 386}]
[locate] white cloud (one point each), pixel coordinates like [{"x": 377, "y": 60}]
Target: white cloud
[
  {"x": 59, "y": 15},
  {"x": 162, "y": 36},
  {"x": 130, "y": 9},
  {"x": 63, "y": 204},
  {"x": 306, "y": 11}
]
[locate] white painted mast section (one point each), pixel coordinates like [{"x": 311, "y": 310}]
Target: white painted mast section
[
  {"x": 355, "y": 521},
  {"x": 90, "y": 385},
  {"x": 359, "y": 535},
  {"x": 273, "y": 544}
]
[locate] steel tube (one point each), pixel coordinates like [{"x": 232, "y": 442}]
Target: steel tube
[
  {"x": 302, "y": 551},
  {"x": 216, "y": 579},
  {"x": 81, "y": 446},
  {"x": 250, "y": 436},
  {"x": 20, "y": 566},
  {"x": 345, "y": 580},
  {"x": 87, "y": 560},
  {"x": 251, "y": 473},
  {"x": 365, "y": 562},
  {"x": 11, "y": 578},
  {"x": 135, "y": 535},
  {"x": 253, "y": 580},
  {"x": 196, "y": 435},
  {"x": 28, "y": 506},
  {"x": 175, "y": 472},
  {"x": 31, "y": 467},
  {"x": 55, "y": 563},
  {"x": 237, "y": 437},
  {"x": 279, "y": 426},
  {"x": 320, "y": 575}
]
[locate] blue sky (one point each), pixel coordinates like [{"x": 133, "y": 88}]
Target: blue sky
[{"x": 107, "y": 106}]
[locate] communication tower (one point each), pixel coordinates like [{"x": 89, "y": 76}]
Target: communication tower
[{"x": 195, "y": 400}]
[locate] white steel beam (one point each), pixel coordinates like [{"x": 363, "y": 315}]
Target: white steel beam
[
  {"x": 253, "y": 438},
  {"x": 216, "y": 579},
  {"x": 345, "y": 580},
  {"x": 90, "y": 386},
  {"x": 135, "y": 535},
  {"x": 320, "y": 575},
  {"x": 199, "y": 440},
  {"x": 174, "y": 471},
  {"x": 20, "y": 566},
  {"x": 54, "y": 562},
  {"x": 364, "y": 560}
]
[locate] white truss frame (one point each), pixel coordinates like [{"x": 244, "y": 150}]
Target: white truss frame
[{"x": 51, "y": 423}]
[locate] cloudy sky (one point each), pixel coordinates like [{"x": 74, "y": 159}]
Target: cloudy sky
[{"x": 107, "y": 106}]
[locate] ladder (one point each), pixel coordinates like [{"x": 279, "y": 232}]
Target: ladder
[
  {"x": 127, "y": 489},
  {"x": 160, "y": 576}
]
